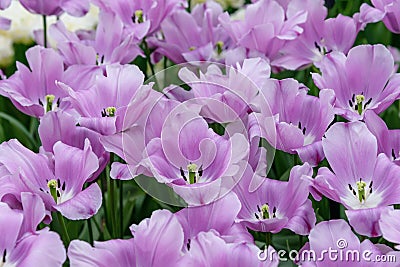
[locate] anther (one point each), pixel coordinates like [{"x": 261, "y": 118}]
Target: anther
[
  {"x": 367, "y": 103},
  {"x": 188, "y": 244},
  {"x": 182, "y": 174},
  {"x": 350, "y": 103}
]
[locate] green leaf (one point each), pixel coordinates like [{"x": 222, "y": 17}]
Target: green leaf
[{"x": 19, "y": 127}]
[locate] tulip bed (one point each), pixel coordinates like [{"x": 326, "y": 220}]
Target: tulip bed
[{"x": 199, "y": 133}]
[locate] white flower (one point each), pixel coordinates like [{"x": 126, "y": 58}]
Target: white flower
[
  {"x": 23, "y": 23},
  {"x": 87, "y": 22},
  {"x": 6, "y": 51},
  {"x": 224, "y": 3}
]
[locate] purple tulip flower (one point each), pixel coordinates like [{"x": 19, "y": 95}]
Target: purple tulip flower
[
  {"x": 116, "y": 252},
  {"x": 134, "y": 13},
  {"x": 34, "y": 91},
  {"x": 228, "y": 97},
  {"x": 195, "y": 36},
  {"x": 390, "y": 226},
  {"x": 363, "y": 182},
  {"x": 5, "y": 23},
  {"x": 320, "y": 36},
  {"x": 110, "y": 43},
  {"x": 387, "y": 11},
  {"x": 167, "y": 239},
  {"x": 364, "y": 80},
  {"x": 388, "y": 140},
  {"x": 59, "y": 182},
  {"x": 219, "y": 215},
  {"x": 21, "y": 244},
  {"x": 264, "y": 209},
  {"x": 75, "y": 8},
  {"x": 102, "y": 107},
  {"x": 143, "y": 121},
  {"x": 4, "y": 4},
  {"x": 301, "y": 120},
  {"x": 60, "y": 126},
  {"x": 197, "y": 163},
  {"x": 266, "y": 27},
  {"x": 208, "y": 249},
  {"x": 43, "y": 7}
]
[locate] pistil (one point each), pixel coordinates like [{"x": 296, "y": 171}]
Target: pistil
[
  {"x": 359, "y": 100},
  {"x": 264, "y": 212},
  {"x": 194, "y": 173},
  {"x": 138, "y": 17},
  {"x": 363, "y": 190},
  {"x": 53, "y": 185}
]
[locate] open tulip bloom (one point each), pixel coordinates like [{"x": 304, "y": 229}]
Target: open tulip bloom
[
  {"x": 199, "y": 133},
  {"x": 21, "y": 244},
  {"x": 367, "y": 83},
  {"x": 366, "y": 185},
  {"x": 264, "y": 210},
  {"x": 58, "y": 181}
]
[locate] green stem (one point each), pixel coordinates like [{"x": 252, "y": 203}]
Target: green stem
[
  {"x": 148, "y": 53},
  {"x": 103, "y": 190},
  {"x": 398, "y": 113},
  {"x": 121, "y": 209},
  {"x": 296, "y": 159},
  {"x": 89, "y": 222},
  {"x": 165, "y": 63},
  {"x": 33, "y": 124},
  {"x": 44, "y": 30},
  {"x": 113, "y": 215},
  {"x": 64, "y": 232},
  {"x": 268, "y": 239},
  {"x": 334, "y": 210},
  {"x": 111, "y": 198},
  {"x": 98, "y": 229}
]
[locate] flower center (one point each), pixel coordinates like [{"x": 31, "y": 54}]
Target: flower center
[
  {"x": 219, "y": 45},
  {"x": 138, "y": 16},
  {"x": 357, "y": 101},
  {"x": 193, "y": 172},
  {"x": 321, "y": 47},
  {"x": 363, "y": 191},
  {"x": 265, "y": 212},
  {"x": 54, "y": 189},
  {"x": 108, "y": 112},
  {"x": 52, "y": 185},
  {"x": 49, "y": 104}
]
